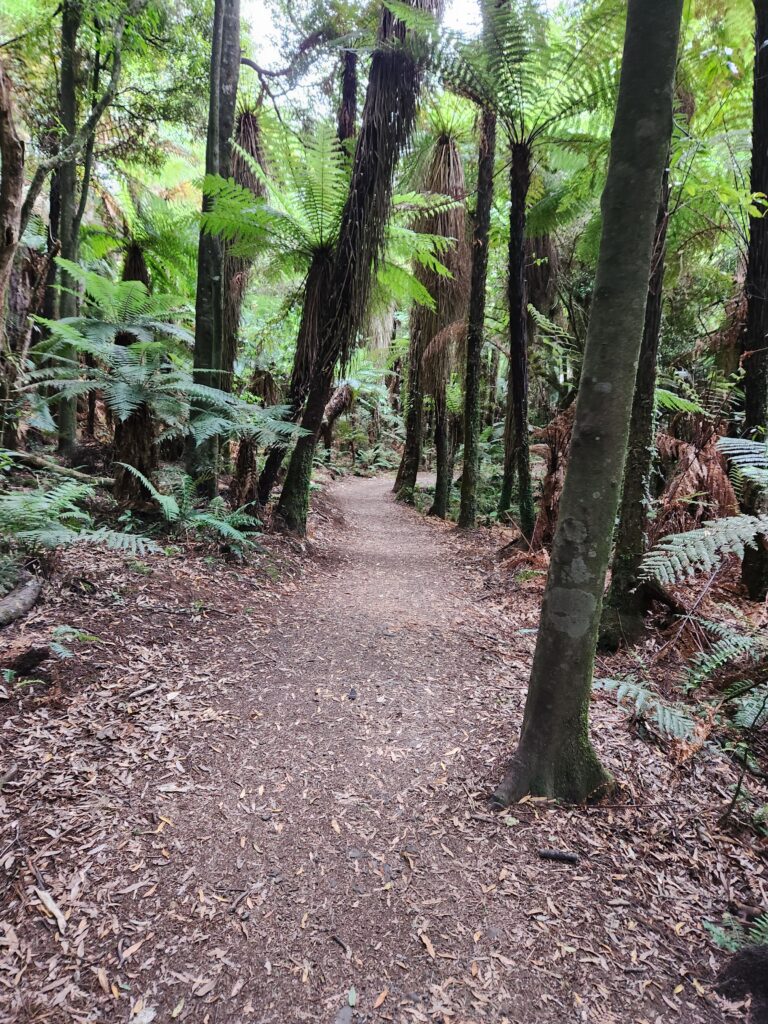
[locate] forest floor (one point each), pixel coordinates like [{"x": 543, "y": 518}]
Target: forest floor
[{"x": 260, "y": 793}]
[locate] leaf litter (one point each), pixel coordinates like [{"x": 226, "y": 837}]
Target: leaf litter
[{"x": 263, "y": 796}]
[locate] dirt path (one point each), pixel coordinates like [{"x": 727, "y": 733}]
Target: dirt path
[{"x": 274, "y": 810}]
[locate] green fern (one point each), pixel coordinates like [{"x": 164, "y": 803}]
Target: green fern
[
  {"x": 683, "y": 555},
  {"x": 671, "y": 722}
]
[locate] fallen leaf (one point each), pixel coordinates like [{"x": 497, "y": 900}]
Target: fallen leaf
[
  {"x": 52, "y": 907},
  {"x": 380, "y": 998},
  {"x": 427, "y": 944}
]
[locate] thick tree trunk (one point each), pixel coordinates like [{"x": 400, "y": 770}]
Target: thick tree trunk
[
  {"x": 555, "y": 757},
  {"x": 293, "y": 507},
  {"x": 754, "y": 348},
  {"x": 517, "y": 458},
  {"x": 628, "y": 600},
  {"x": 405, "y": 481},
  {"x": 387, "y": 121},
  {"x": 134, "y": 445},
  {"x": 476, "y": 320},
  {"x": 202, "y": 462}
]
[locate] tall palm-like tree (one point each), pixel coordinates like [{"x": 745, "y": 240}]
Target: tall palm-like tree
[
  {"x": 539, "y": 76},
  {"x": 444, "y": 174},
  {"x": 387, "y": 121}
]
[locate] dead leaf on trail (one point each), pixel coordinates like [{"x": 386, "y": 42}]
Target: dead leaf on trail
[
  {"x": 380, "y": 998},
  {"x": 427, "y": 944},
  {"x": 53, "y": 908}
]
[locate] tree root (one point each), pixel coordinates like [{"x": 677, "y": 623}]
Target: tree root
[
  {"x": 53, "y": 467},
  {"x": 20, "y": 600}
]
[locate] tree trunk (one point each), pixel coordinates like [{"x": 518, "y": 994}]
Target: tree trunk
[
  {"x": 202, "y": 462},
  {"x": 134, "y": 445},
  {"x": 307, "y": 346},
  {"x": 11, "y": 187},
  {"x": 387, "y": 121},
  {"x": 627, "y": 600},
  {"x": 754, "y": 347},
  {"x": 517, "y": 459},
  {"x": 71, "y": 17},
  {"x": 555, "y": 757},
  {"x": 443, "y": 458},
  {"x": 348, "y": 106},
  {"x": 493, "y": 382},
  {"x": 476, "y": 322},
  {"x": 405, "y": 481},
  {"x": 293, "y": 507}
]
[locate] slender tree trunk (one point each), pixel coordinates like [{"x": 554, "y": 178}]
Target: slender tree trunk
[
  {"x": 754, "y": 569},
  {"x": 493, "y": 381},
  {"x": 71, "y": 17},
  {"x": 627, "y": 600},
  {"x": 387, "y": 121},
  {"x": 517, "y": 458},
  {"x": 555, "y": 757},
  {"x": 11, "y": 187},
  {"x": 202, "y": 462},
  {"x": 476, "y": 321},
  {"x": 443, "y": 458},
  {"x": 405, "y": 481}
]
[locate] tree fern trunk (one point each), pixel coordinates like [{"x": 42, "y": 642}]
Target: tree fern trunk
[
  {"x": 476, "y": 321},
  {"x": 555, "y": 757},
  {"x": 443, "y": 459},
  {"x": 517, "y": 459},
  {"x": 754, "y": 569},
  {"x": 405, "y": 481}
]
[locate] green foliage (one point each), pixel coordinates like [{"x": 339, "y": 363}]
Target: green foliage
[
  {"x": 182, "y": 510},
  {"x": 670, "y": 721},
  {"x": 732, "y": 935},
  {"x": 42, "y": 520}
]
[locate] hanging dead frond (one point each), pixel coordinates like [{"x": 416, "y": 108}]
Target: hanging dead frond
[
  {"x": 442, "y": 356},
  {"x": 541, "y": 267},
  {"x": 698, "y": 486},
  {"x": 553, "y": 442}
]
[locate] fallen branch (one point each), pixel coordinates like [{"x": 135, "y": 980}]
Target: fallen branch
[
  {"x": 20, "y": 600},
  {"x": 53, "y": 467},
  {"x": 564, "y": 856}
]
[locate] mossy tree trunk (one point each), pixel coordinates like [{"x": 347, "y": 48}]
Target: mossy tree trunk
[
  {"x": 627, "y": 600},
  {"x": 555, "y": 757},
  {"x": 517, "y": 457},
  {"x": 754, "y": 347},
  {"x": 476, "y": 320}
]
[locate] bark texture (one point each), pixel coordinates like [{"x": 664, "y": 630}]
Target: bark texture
[
  {"x": 628, "y": 600},
  {"x": 754, "y": 347},
  {"x": 555, "y": 757},
  {"x": 476, "y": 322},
  {"x": 517, "y": 458},
  {"x": 202, "y": 462}
]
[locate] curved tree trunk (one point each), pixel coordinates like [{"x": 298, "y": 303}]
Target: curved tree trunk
[
  {"x": 476, "y": 322},
  {"x": 754, "y": 348},
  {"x": 388, "y": 117},
  {"x": 628, "y": 600},
  {"x": 555, "y": 757},
  {"x": 517, "y": 458},
  {"x": 307, "y": 347}
]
